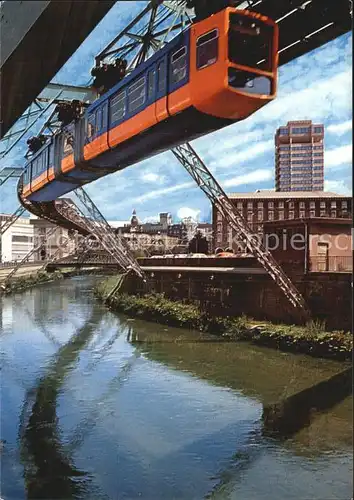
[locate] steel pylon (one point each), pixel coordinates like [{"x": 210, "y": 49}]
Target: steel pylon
[{"x": 194, "y": 165}]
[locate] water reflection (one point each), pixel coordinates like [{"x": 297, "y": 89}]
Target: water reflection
[
  {"x": 106, "y": 407},
  {"x": 48, "y": 469}
]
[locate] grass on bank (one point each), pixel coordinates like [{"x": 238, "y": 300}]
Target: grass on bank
[
  {"x": 28, "y": 281},
  {"x": 311, "y": 338}
]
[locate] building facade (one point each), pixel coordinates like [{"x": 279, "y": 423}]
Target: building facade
[
  {"x": 58, "y": 244},
  {"x": 299, "y": 157},
  {"x": 319, "y": 244},
  {"x": 262, "y": 206},
  {"x": 17, "y": 241}
]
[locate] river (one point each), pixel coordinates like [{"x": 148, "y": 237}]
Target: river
[{"x": 96, "y": 405}]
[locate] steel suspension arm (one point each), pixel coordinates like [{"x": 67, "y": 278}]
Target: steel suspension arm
[{"x": 206, "y": 181}]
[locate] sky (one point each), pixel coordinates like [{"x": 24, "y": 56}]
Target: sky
[{"x": 314, "y": 87}]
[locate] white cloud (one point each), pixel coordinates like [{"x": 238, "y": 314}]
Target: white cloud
[
  {"x": 339, "y": 187},
  {"x": 188, "y": 212},
  {"x": 338, "y": 156},
  {"x": 153, "y": 178},
  {"x": 340, "y": 128},
  {"x": 256, "y": 176},
  {"x": 233, "y": 159},
  {"x": 151, "y": 218},
  {"x": 158, "y": 193}
]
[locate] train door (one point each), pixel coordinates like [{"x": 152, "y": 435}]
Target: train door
[{"x": 161, "y": 109}]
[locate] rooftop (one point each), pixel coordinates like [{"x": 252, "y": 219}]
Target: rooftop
[
  {"x": 268, "y": 193},
  {"x": 311, "y": 220}
]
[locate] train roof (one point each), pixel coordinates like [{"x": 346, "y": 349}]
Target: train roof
[{"x": 141, "y": 68}]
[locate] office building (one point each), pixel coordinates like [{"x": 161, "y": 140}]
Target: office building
[{"x": 299, "y": 163}]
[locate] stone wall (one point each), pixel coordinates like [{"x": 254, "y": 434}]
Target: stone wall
[{"x": 328, "y": 295}]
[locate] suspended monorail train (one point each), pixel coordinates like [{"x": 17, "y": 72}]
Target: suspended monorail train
[{"x": 218, "y": 71}]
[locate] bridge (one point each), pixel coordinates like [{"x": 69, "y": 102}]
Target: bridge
[{"x": 304, "y": 26}]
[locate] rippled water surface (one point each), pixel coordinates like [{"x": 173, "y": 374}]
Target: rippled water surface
[{"x": 95, "y": 405}]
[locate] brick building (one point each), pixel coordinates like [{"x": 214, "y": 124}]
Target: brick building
[
  {"x": 299, "y": 163},
  {"x": 319, "y": 244},
  {"x": 262, "y": 206}
]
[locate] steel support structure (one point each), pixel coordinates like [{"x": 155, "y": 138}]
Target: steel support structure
[
  {"x": 11, "y": 220},
  {"x": 99, "y": 227},
  {"x": 186, "y": 155},
  {"x": 53, "y": 94}
]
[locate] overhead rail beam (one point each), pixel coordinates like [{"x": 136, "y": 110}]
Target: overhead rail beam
[{"x": 37, "y": 38}]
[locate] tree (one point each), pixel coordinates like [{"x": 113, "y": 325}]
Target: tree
[{"x": 198, "y": 244}]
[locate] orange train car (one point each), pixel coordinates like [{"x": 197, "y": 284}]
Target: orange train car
[{"x": 217, "y": 72}]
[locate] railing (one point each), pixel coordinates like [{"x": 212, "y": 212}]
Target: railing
[
  {"x": 337, "y": 263},
  {"x": 12, "y": 263}
]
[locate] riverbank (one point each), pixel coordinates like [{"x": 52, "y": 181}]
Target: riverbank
[
  {"x": 18, "y": 284},
  {"x": 311, "y": 339}
]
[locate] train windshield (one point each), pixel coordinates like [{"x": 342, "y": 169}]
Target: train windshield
[{"x": 250, "y": 42}]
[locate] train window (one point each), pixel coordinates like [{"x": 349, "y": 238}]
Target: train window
[
  {"x": 26, "y": 175},
  {"x": 207, "y": 49},
  {"x": 68, "y": 144},
  {"x": 98, "y": 120},
  {"x": 151, "y": 83},
  {"x": 137, "y": 94},
  {"x": 91, "y": 120},
  {"x": 250, "y": 42},
  {"x": 51, "y": 155},
  {"x": 179, "y": 65},
  {"x": 117, "y": 107},
  {"x": 161, "y": 72}
]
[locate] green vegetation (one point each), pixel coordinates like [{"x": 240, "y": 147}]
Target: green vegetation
[
  {"x": 24, "y": 282},
  {"x": 311, "y": 338}
]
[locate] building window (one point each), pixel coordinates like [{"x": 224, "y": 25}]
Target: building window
[
  {"x": 260, "y": 204},
  {"x": 291, "y": 204},
  {"x": 333, "y": 213},
  {"x": 302, "y": 214},
  {"x": 283, "y": 131},
  {"x": 239, "y": 205},
  {"x": 281, "y": 215},
  {"x": 260, "y": 215},
  {"x": 219, "y": 238},
  {"x": 219, "y": 227},
  {"x": 302, "y": 204},
  {"x": 270, "y": 204},
  {"x": 271, "y": 215},
  {"x": 250, "y": 205},
  {"x": 317, "y": 130},
  {"x": 322, "y": 213},
  {"x": 344, "y": 204},
  {"x": 312, "y": 213},
  {"x": 249, "y": 217},
  {"x": 323, "y": 204},
  {"x": 300, "y": 130},
  {"x": 291, "y": 214},
  {"x": 312, "y": 205},
  {"x": 281, "y": 204}
]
